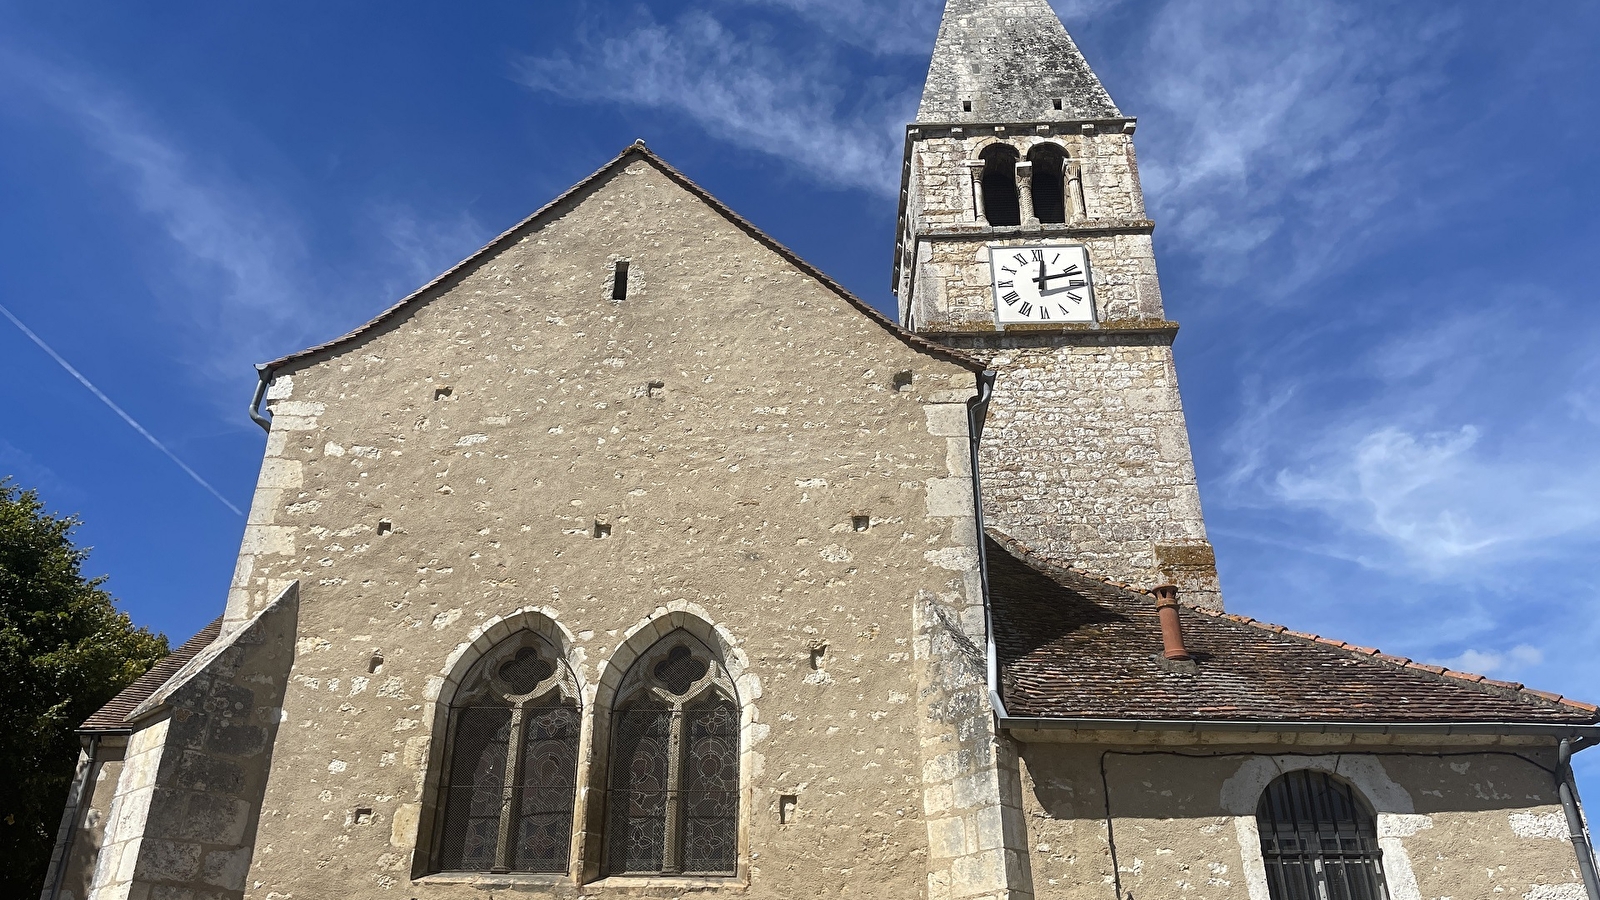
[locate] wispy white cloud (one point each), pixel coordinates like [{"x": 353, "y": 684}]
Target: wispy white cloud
[
  {"x": 1493, "y": 662},
  {"x": 1440, "y": 452},
  {"x": 885, "y": 27},
  {"x": 902, "y": 27},
  {"x": 751, "y": 89},
  {"x": 1273, "y": 127},
  {"x": 230, "y": 283}
]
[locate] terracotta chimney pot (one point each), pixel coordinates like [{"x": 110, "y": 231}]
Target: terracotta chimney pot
[{"x": 1171, "y": 628}]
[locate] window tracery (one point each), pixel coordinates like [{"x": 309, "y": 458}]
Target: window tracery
[
  {"x": 673, "y": 798},
  {"x": 511, "y": 778},
  {"x": 1319, "y": 840}
]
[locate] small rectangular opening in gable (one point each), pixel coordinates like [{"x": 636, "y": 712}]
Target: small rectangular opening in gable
[
  {"x": 966, "y": 106},
  {"x": 860, "y": 523},
  {"x": 375, "y": 664},
  {"x": 442, "y": 393},
  {"x": 1058, "y": 103},
  {"x": 786, "y": 808},
  {"x": 385, "y": 526},
  {"x": 619, "y": 281},
  {"x": 602, "y": 530},
  {"x": 902, "y": 381}
]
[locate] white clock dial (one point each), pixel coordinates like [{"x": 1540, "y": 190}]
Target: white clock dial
[{"x": 1041, "y": 284}]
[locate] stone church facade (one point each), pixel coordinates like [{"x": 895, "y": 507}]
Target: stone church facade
[{"x": 635, "y": 557}]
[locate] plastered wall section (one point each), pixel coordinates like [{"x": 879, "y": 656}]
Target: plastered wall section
[
  {"x": 1452, "y": 822},
  {"x": 730, "y": 442}
]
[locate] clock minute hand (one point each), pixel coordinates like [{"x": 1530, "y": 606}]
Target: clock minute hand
[{"x": 1053, "y": 291}]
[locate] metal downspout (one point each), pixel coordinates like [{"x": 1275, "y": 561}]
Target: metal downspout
[
  {"x": 977, "y": 412},
  {"x": 256, "y": 416},
  {"x": 69, "y": 817},
  {"x": 1580, "y": 837}
]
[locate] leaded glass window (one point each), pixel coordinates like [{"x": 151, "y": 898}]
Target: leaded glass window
[
  {"x": 673, "y": 798},
  {"x": 1319, "y": 840},
  {"x": 512, "y": 774}
]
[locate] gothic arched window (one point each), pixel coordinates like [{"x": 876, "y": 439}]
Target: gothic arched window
[
  {"x": 1319, "y": 840},
  {"x": 1049, "y": 183},
  {"x": 673, "y": 802},
  {"x": 1001, "y": 206},
  {"x": 512, "y": 772}
]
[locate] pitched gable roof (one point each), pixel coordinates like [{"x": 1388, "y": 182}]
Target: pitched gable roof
[
  {"x": 1075, "y": 647},
  {"x": 113, "y": 717},
  {"x": 636, "y": 151}
]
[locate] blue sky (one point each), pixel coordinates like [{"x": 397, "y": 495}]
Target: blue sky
[{"x": 1376, "y": 224}]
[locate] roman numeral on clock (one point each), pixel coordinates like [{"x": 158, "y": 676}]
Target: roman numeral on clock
[
  {"x": 1026, "y": 309},
  {"x": 1004, "y": 284},
  {"x": 1012, "y": 298},
  {"x": 1044, "y": 313},
  {"x": 1021, "y": 259}
]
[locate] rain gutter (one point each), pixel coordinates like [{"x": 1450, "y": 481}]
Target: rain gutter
[{"x": 1580, "y": 736}]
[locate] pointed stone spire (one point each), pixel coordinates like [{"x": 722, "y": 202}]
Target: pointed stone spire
[{"x": 1009, "y": 61}]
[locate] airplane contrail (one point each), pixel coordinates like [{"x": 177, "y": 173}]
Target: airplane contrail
[{"x": 118, "y": 410}]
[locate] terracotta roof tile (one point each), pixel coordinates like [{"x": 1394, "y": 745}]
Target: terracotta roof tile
[
  {"x": 113, "y": 716},
  {"x": 1076, "y": 647}
]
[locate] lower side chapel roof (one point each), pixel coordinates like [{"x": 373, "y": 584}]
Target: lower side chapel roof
[
  {"x": 113, "y": 717},
  {"x": 1074, "y": 647}
]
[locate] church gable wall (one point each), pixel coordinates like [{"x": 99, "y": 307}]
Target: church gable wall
[
  {"x": 1463, "y": 821},
  {"x": 731, "y": 439}
]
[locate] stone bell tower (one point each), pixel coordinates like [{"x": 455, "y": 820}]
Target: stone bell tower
[{"x": 1023, "y": 240}]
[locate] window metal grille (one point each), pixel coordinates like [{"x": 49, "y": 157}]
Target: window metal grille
[
  {"x": 673, "y": 798},
  {"x": 1319, "y": 840},
  {"x": 511, "y": 781}
]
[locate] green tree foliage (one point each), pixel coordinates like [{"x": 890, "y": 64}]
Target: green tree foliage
[{"x": 64, "y": 651}]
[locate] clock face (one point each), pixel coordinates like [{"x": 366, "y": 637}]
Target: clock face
[{"x": 1042, "y": 283}]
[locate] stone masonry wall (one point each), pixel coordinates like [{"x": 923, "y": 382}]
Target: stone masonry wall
[
  {"x": 1453, "y": 821},
  {"x": 183, "y": 824},
  {"x": 85, "y": 825},
  {"x": 1086, "y": 457},
  {"x": 130, "y": 809},
  {"x": 733, "y": 443}
]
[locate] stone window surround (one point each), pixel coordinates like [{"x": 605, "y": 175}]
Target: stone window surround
[
  {"x": 481, "y": 679},
  {"x": 599, "y": 696},
  {"x": 637, "y": 686},
  {"x": 1071, "y": 170},
  {"x": 1393, "y": 805}
]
